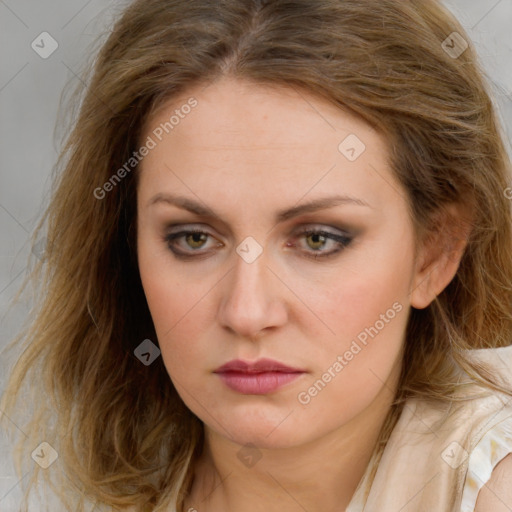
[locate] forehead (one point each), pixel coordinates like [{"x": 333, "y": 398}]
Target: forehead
[
  {"x": 243, "y": 115},
  {"x": 254, "y": 139}
]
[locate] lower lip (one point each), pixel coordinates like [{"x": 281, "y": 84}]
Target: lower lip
[{"x": 257, "y": 383}]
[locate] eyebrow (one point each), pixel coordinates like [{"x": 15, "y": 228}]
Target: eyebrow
[{"x": 281, "y": 216}]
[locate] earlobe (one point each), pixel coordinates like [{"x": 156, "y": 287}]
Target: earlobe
[{"x": 439, "y": 256}]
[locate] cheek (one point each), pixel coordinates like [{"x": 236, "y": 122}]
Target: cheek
[
  {"x": 365, "y": 308},
  {"x": 176, "y": 310},
  {"x": 351, "y": 368},
  {"x": 353, "y": 297},
  {"x": 173, "y": 300},
  {"x": 177, "y": 316}
]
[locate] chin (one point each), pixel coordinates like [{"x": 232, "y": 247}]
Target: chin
[
  {"x": 264, "y": 441},
  {"x": 277, "y": 429}
]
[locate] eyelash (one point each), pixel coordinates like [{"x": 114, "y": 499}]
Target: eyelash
[{"x": 342, "y": 241}]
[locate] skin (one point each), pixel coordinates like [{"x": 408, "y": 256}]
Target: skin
[
  {"x": 248, "y": 151},
  {"x": 496, "y": 494}
]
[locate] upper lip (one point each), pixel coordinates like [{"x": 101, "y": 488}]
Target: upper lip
[{"x": 259, "y": 366}]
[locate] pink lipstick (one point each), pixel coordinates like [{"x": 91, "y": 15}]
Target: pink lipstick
[{"x": 257, "y": 378}]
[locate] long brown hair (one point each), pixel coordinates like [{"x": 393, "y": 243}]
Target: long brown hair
[{"x": 123, "y": 435}]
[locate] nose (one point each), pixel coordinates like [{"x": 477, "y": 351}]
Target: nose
[{"x": 253, "y": 299}]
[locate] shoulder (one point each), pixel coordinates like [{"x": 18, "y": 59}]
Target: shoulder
[
  {"x": 488, "y": 482},
  {"x": 496, "y": 494},
  {"x": 477, "y": 433}
]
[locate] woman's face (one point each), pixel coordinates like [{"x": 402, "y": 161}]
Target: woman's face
[{"x": 322, "y": 290}]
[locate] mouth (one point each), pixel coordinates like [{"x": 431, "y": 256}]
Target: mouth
[{"x": 259, "y": 378}]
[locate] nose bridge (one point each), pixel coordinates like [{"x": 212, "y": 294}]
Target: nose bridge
[
  {"x": 251, "y": 302},
  {"x": 247, "y": 277}
]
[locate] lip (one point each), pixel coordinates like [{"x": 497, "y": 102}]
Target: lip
[
  {"x": 259, "y": 366},
  {"x": 257, "y": 378}
]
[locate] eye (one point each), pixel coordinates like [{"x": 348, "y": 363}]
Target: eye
[
  {"x": 194, "y": 239},
  {"x": 318, "y": 239}
]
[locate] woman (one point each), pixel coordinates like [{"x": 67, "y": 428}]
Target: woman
[{"x": 280, "y": 236}]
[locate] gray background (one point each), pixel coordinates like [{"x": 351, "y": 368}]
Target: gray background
[{"x": 30, "y": 90}]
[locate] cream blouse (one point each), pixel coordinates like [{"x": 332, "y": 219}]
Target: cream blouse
[{"x": 439, "y": 456}]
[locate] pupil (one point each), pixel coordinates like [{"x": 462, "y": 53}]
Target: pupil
[
  {"x": 317, "y": 238},
  {"x": 196, "y": 237}
]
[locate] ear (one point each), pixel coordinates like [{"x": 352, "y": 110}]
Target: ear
[{"x": 439, "y": 254}]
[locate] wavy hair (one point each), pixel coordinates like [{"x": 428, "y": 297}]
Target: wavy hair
[{"x": 123, "y": 435}]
